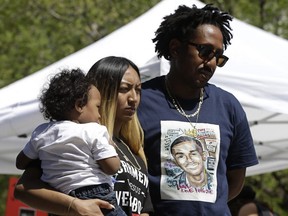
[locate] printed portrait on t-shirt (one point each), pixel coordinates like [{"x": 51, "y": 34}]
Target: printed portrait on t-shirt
[{"x": 189, "y": 158}]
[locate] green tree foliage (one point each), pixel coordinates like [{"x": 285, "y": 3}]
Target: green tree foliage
[
  {"x": 269, "y": 15},
  {"x": 272, "y": 189},
  {"x": 36, "y": 33},
  {"x": 4, "y": 183}
]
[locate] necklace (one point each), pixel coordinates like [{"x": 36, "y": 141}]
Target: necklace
[
  {"x": 125, "y": 156},
  {"x": 178, "y": 106},
  {"x": 182, "y": 112}
]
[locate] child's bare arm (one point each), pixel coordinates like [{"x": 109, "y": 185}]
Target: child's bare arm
[{"x": 110, "y": 165}]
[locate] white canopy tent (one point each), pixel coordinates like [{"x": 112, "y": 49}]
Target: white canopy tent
[{"x": 255, "y": 74}]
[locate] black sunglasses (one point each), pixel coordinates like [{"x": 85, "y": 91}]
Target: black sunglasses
[{"x": 206, "y": 52}]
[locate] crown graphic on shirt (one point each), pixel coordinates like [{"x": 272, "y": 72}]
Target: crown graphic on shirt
[{"x": 191, "y": 132}]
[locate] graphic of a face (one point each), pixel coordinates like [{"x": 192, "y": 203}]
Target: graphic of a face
[{"x": 189, "y": 157}]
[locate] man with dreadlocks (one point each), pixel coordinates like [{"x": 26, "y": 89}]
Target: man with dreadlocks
[{"x": 184, "y": 103}]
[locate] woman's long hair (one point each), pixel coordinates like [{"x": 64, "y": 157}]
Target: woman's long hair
[{"x": 106, "y": 74}]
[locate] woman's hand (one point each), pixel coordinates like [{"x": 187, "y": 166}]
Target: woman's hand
[{"x": 90, "y": 207}]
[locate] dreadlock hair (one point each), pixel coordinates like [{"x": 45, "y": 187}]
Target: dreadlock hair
[
  {"x": 183, "y": 22},
  {"x": 58, "y": 97}
]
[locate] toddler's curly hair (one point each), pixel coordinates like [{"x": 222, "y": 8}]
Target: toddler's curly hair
[{"x": 58, "y": 99}]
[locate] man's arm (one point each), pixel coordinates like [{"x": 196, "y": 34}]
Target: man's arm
[{"x": 235, "y": 178}]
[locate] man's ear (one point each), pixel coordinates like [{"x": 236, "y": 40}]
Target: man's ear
[
  {"x": 174, "y": 47},
  {"x": 174, "y": 161},
  {"x": 204, "y": 155},
  {"x": 78, "y": 106}
]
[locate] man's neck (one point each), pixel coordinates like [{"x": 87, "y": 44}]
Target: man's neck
[
  {"x": 180, "y": 89},
  {"x": 197, "y": 181}
]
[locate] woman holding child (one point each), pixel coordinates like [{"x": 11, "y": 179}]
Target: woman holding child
[{"x": 118, "y": 81}]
